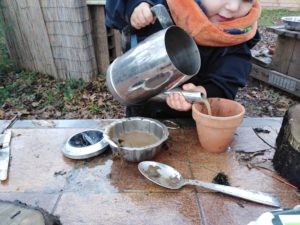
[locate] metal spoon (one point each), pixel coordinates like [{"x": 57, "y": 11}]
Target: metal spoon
[{"x": 168, "y": 177}]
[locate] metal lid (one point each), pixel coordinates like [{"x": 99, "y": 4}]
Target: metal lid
[{"x": 85, "y": 145}]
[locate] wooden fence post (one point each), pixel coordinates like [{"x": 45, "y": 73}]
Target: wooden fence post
[{"x": 107, "y": 41}]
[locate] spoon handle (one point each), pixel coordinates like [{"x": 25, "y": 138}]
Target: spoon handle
[{"x": 259, "y": 197}]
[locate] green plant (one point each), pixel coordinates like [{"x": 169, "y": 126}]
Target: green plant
[
  {"x": 4, "y": 93},
  {"x": 28, "y": 77},
  {"x": 271, "y": 17},
  {"x": 7, "y": 91},
  {"x": 94, "y": 109},
  {"x": 51, "y": 97},
  {"x": 71, "y": 87}
]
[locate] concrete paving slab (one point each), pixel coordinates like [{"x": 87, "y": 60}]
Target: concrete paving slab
[
  {"x": 107, "y": 190},
  {"x": 220, "y": 209},
  {"x": 36, "y": 158},
  {"x": 91, "y": 123},
  {"x": 3, "y": 125},
  {"x": 35, "y": 199},
  {"x": 269, "y": 138},
  {"x": 247, "y": 135},
  {"x": 129, "y": 208}
]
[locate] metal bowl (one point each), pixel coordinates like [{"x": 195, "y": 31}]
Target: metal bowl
[
  {"x": 138, "y": 153},
  {"x": 85, "y": 145},
  {"x": 291, "y": 22}
]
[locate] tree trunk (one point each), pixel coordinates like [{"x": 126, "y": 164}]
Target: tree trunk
[{"x": 286, "y": 160}]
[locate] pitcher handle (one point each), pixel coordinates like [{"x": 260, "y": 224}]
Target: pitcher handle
[
  {"x": 162, "y": 15},
  {"x": 129, "y": 40}
]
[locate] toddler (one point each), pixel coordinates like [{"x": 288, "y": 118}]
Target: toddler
[{"x": 224, "y": 30}]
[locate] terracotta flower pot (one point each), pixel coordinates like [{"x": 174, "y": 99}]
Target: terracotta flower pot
[{"x": 216, "y": 132}]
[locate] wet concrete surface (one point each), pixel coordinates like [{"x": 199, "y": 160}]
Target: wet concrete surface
[{"x": 107, "y": 190}]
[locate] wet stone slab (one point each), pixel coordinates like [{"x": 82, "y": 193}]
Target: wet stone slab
[
  {"x": 226, "y": 210},
  {"x": 108, "y": 175},
  {"x": 238, "y": 175},
  {"x": 129, "y": 208},
  {"x": 37, "y": 164},
  {"x": 34, "y": 199},
  {"x": 108, "y": 190}
]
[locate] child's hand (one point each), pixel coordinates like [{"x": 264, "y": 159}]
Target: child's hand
[
  {"x": 177, "y": 101},
  {"x": 142, "y": 16}
]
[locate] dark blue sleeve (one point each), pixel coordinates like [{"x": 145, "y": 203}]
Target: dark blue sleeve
[
  {"x": 115, "y": 14},
  {"x": 229, "y": 71},
  {"x": 118, "y": 12}
]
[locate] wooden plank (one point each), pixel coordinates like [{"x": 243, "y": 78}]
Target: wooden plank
[
  {"x": 280, "y": 30},
  {"x": 294, "y": 67},
  {"x": 261, "y": 60},
  {"x": 118, "y": 47},
  {"x": 114, "y": 44},
  {"x": 100, "y": 38},
  {"x": 260, "y": 73},
  {"x": 276, "y": 79},
  {"x": 283, "y": 54},
  {"x": 95, "y": 2}
]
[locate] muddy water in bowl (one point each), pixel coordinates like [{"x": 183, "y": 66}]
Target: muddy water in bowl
[{"x": 136, "y": 139}]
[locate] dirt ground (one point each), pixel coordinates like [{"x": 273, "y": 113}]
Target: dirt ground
[
  {"x": 261, "y": 100},
  {"x": 41, "y": 97},
  {"x": 36, "y": 96}
]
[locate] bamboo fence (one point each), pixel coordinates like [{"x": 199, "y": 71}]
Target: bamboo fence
[{"x": 63, "y": 38}]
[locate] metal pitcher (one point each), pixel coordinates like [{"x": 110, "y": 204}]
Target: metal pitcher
[{"x": 161, "y": 62}]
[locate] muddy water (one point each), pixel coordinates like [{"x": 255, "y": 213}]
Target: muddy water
[
  {"x": 137, "y": 139},
  {"x": 206, "y": 103},
  {"x": 153, "y": 173}
]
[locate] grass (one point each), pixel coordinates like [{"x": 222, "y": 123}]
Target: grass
[
  {"x": 271, "y": 17},
  {"x": 28, "y": 85},
  {"x": 36, "y": 96}
]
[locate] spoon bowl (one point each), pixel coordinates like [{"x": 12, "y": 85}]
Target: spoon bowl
[
  {"x": 168, "y": 177},
  {"x": 161, "y": 174}
]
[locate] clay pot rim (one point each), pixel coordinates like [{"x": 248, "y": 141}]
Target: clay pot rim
[{"x": 219, "y": 117}]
